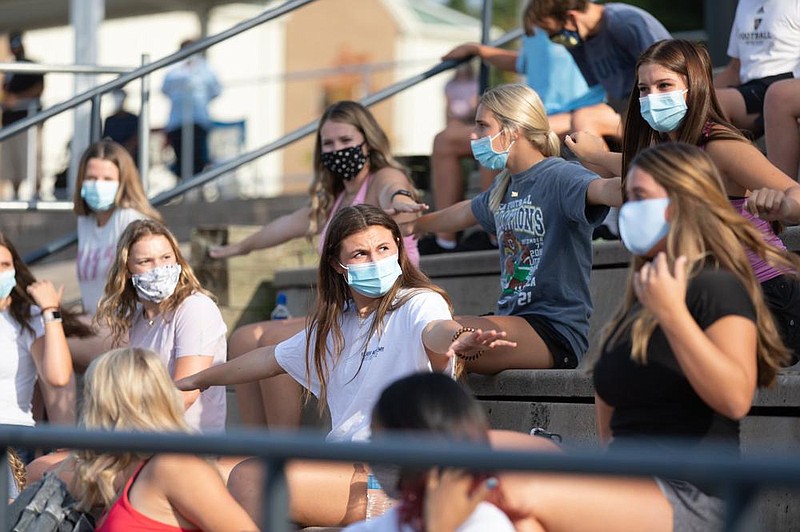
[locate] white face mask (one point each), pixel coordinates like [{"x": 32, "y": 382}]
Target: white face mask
[{"x": 157, "y": 284}]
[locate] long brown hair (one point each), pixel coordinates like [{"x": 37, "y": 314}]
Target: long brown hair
[
  {"x": 333, "y": 293},
  {"x": 707, "y": 230},
  {"x": 21, "y": 300},
  {"x": 326, "y": 186},
  {"x": 691, "y": 61},
  {"x": 130, "y": 194},
  {"x": 117, "y": 308}
]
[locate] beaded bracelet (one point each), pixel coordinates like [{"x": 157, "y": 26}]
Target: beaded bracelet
[{"x": 466, "y": 358}]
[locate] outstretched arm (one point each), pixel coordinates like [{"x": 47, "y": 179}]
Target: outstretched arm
[
  {"x": 605, "y": 192},
  {"x": 593, "y": 153},
  {"x": 497, "y": 57},
  {"x": 447, "y": 338},
  {"x": 256, "y": 365},
  {"x": 449, "y": 220},
  {"x": 278, "y": 231}
]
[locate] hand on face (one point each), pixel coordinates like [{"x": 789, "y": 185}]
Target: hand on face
[
  {"x": 45, "y": 294},
  {"x": 659, "y": 290},
  {"x": 451, "y": 496}
]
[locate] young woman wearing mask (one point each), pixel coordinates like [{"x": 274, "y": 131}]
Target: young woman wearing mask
[
  {"x": 153, "y": 300},
  {"x": 377, "y": 318},
  {"x": 353, "y": 164},
  {"x": 543, "y": 210},
  {"x": 674, "y": 100}
]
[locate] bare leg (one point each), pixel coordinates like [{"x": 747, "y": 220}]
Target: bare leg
[
  {"x": 251, "y": 407},
  {"x": 606, "y": 504},
  {"x": 320, "y": 493},
  {"x": 599, "y": 119},
  {"x": 449, "y": 146},
  {"x": 275, "y": 402},
  {"x": 782, "y": 135},
  {"x": 531, "y": 353},
  {"x": 732, "y": 103},
  {"x": 282, "y": 396}
]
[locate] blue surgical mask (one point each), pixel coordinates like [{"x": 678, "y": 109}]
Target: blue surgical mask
[
  {"x": 99, "y": 195},
  {"x": 643, "y": 224},
  {"x": 8, "y": 280},
  {"x": 664, "y": 111},
  {"x": 373, "y": 279},
  {"x": 157, "y": 284},
  {"x": 484, "y": 153}
]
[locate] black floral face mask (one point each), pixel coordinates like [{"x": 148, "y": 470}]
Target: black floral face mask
[{"x": 345, "y": 163}]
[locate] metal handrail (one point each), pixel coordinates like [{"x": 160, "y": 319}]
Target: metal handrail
[
  {"x": 740, "y": 476},
  {"x": 293, "y": 136},
  {"x": 124, "y": 79},
  {"x": 43, "y": 68}
]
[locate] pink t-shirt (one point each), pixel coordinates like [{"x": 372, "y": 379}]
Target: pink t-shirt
[
  {"x": 762, "y": 269},
  {"x": 196, "y": 328},
  {"x": 409, "y": 241}
]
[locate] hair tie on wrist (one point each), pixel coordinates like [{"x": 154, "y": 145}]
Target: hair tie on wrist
[
  {"x": 401, "y": 192},
  {"x": 466, "y": 358}
]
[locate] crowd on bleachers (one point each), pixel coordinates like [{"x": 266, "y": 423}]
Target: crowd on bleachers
[{"x": 710, "y": 312}]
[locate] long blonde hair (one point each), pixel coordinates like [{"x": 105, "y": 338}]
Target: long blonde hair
[
  {"x": 326, "y": 186},
  {"x": 333, "y": 293},
  {"x": 706, "y": 229},
  {"x": 118, "y": 306},
  {"x": 130, "y": 194},
  {"x": 519, "y": 109},
  {"x": 125, "y": 389}
]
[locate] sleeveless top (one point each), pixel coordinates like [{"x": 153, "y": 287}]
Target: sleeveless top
[
  {"x": 761, "y": 268},
  {"x": 409, "y": 241},
  {"x": 123, "y": 517}
]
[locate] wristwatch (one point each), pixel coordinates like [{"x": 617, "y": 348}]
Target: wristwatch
[{"x": 51, "y": 315}]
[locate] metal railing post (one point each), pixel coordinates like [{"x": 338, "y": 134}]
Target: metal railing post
[
  {"x": 143, "y": 146},
  {"x": 275, "y": 497},
  {"x": 738, "y": 507},
  {"x": 95, "y": 129},
  {"x": 486, "y": 37},
  {"x": 31, "y": 149}
]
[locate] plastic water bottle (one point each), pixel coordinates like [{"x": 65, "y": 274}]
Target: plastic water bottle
[
  {"x": 377, "y": 500},
  {"x": 281, "y": 311}
]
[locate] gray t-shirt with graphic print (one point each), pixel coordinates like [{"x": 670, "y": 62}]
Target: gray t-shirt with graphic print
[{"x": 544, "y": 232}]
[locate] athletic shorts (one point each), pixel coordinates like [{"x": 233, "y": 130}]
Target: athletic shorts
[
  {"x": 754, "y": 90},
  {"x": 692, "y": 509},
  {"x": 782, "y": 295},
  {"x": 560, "y": 349}
]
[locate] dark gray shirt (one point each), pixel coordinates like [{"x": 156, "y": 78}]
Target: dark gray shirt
[{"x": 544, "y": 232}]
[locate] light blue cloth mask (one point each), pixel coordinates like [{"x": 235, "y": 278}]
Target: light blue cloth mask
[
  {"x": 643, "y": 224},
  {"x": 665, "y": 111},
  {"x": 373, "y": 279},
  {"x": 8, "y": 280},
  {"x": 484, "y": 153},
  {"x": 99, "y": 195}
]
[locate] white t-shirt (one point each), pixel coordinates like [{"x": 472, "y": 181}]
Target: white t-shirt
[
  {"x": 486, "y": 517},
  {"x": 766, "y": 38},
  {"x": 97, "y": 250},
  {"x": 17, "y": 369},
  {"x": 195, "y": 329},
  {"x": 355, "y": 381}
]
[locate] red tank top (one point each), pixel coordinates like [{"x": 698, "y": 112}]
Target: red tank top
[{"x": 123, "y": 517}]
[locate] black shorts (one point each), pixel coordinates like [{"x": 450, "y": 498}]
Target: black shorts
[
  {"x": 754, "y": 90},
  {"x": 782, "y": 295},
  {"x": 560, "y": 349}
]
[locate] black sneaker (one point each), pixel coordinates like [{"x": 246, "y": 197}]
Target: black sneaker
[
  {"x": 428, "y": 246},
  {"x": 603, "y": 232},
  {"x": 477, "y": 241}
]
